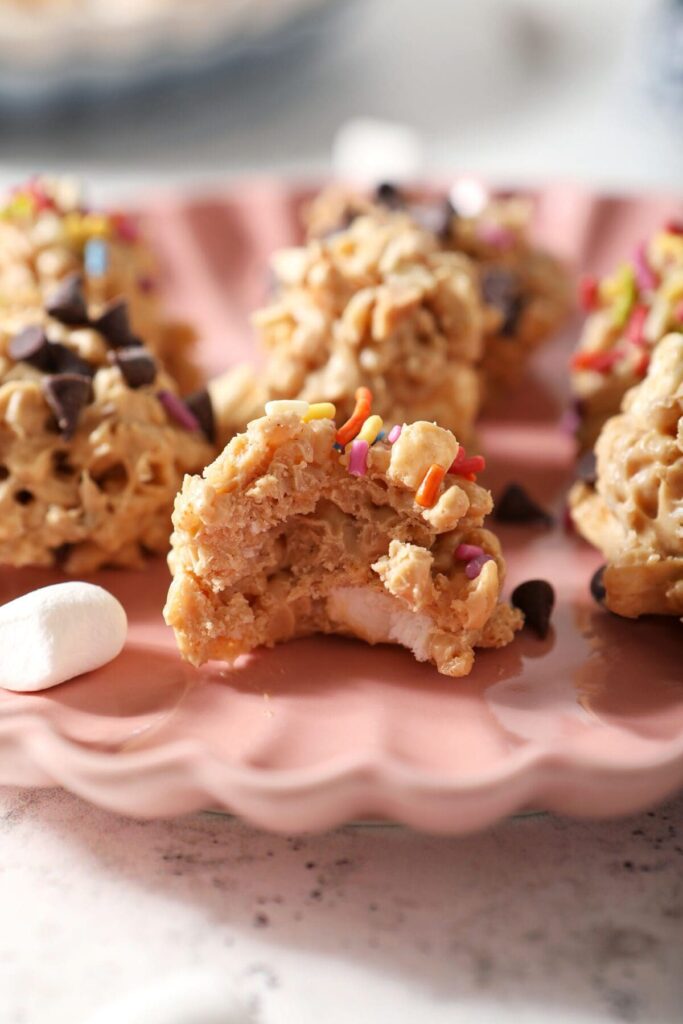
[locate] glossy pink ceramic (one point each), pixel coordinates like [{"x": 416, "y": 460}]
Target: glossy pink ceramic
[{"x": 314, "y": 733}]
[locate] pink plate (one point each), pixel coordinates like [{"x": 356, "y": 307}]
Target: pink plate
[{"x": 314, "y": 733}]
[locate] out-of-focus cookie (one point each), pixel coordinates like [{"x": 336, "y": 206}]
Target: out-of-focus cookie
[
  {"x": 634, "y": 511},
  {"x": 630, "y": 311},
  {"x": 378, "y": 304},
  {"x": 301, "y": 527},
  {"x": 524, "y": 290},
  {"x": 48, "y": 233},
  {"x": 94, "y": 439}
]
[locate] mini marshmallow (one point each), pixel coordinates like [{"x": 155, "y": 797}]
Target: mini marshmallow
[
  {"x": 58, "y": 632},
  {"x": 190, "y": 997},
  {"x": 369, "y": 151}
]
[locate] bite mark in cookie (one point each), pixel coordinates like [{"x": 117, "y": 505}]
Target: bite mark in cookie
[{"x": 282, "y": 536}]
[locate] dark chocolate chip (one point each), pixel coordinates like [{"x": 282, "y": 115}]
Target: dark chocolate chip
[
  {"x": 501, "y": 289},
  {"x": 64, "y": 360},
  {"x": 30, "y": 345},
  {"x": 114, "y": 325},
  {"x": 516, "y": 506},
  {"x": 435, "y": 217},
  {"x": 586, "y": 469},
  {"x": 199, "y": 402},
  {"x": 389, "y": 195},
  {"x": 67, "y": 394},
  {"x": 67, "y": 303},
  {"x": 136, "y": 365},
  {"x": 598, "y": 590},
  {"x": 536, "y": 598}
]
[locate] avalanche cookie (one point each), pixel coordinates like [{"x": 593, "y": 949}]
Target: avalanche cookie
[
  {"x": 48, "y": 234},
  {"x": 630, "y": 311},
  {"x": 94, "y": 440},
  {"x": 634, "y": 510},
  {"x": 300, "y": 527},
  {"x": 524, "y": 290},
  {"x": 378, "y": 304}
]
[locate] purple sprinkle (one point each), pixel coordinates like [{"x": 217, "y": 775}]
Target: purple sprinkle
[
  {"x": 358, "y": 458},
  {"x": 475, "y": 565},
  {"x": 645, "y": 276},
  {"x": 570, "y": 421},
  {"x": 464, "y": 552},
  {"x": 394, "y": 434},
  {"x": 178, "y": 411},
  {"x": 496, "y": 235}
]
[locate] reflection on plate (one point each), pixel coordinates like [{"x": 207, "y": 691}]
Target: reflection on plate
[{"x": 324, "y": 730}]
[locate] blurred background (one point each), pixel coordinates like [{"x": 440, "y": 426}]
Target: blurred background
[{"x": 136, "y": 92}]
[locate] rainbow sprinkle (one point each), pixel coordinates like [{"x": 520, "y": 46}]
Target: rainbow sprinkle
[
  {"x": 394, "y": 434},
  {"x": 358, "y": 459}
]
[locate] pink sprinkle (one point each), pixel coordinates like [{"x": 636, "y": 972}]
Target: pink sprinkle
[
  {"x": 358, "y": 458},
  {"x": 496, "y": 235},
  {"x": 678, "y": 312},
  {"x": 636, "y": 324},
  {"x": 464, "y": 552},
  {"x": 394, "y": 434},
  {"x": 645, "y": 275},
  {"x": 177, "y": 410},
  {"x": 475, "y": 565}
]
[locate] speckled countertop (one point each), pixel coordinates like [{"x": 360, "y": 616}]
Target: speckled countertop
[{"x": 539, "y": 920}]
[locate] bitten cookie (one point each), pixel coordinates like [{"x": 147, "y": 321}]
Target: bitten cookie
[
  {"x": 524, "y": 290},
  {"x": 300, "y": 527},
  {"x": 94, "y": 440},
  {"x": 630, "y": 311},
  {"x": 47, "y": 233},
  {"x": 634, "y": 511}
]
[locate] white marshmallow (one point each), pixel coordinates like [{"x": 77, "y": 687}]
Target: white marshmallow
[
  {"x": 192, "y": 997},
  {"x": 58, "y": 632},
  {"x": 368, "y": 151}
]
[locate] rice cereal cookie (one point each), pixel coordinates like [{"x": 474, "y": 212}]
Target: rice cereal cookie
[
  {"x": 377, "y": 305},
  {"x": 630, "y": 311},
  {"x": 634, "y": 511},
  {"x": 300, "y": 528},
  {"x": 524, "y": 290},
  {"x": 94, "y": 442},
  {"x": 47, "y": 234}
]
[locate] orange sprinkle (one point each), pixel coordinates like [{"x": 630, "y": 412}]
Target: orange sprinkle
[
  {"x": 358, "y": 417},
  {"x": 427, "y": 491}
]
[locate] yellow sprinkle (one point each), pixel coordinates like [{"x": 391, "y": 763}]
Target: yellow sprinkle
[
  {"x": 667, "y": 245},
  {"x": 320, "y": 411},
  {"x": 278, "y": 407},
  {"x": 370, "y": 429},
  {"x": 96, "y": 225}
]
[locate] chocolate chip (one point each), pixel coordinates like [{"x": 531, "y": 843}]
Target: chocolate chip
[
  {"x": 536, "y": 598},
  {"x": 586, "y": 469},
  {"x": 67, "y": 394},
  {"x": 516, "y": 506},
  {"x": 64, "y": 360},
  {"x": 136, "y": 365},
  {"x": 67, "y": 303},
  {"x": 114, "y": 325},
  {"x": 199, "y": 402},
  {"x": 30, "y": 345},
  {"x": 598, "y": 589},
  {"x": 501, "y": 289},
  {"x": 389, "y": 195}
]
